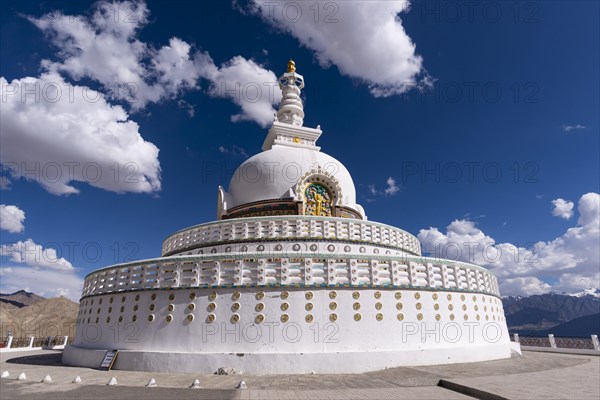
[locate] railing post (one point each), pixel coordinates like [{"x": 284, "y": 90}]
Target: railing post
[
  {"x": 552, "y": 341},
  {"x": 9, "y": 342},
  {"x": 516, "y": 336},
  {"x": 66, "y": 340},
  {"x": 595, "y": 342},
  {"x": 49, "y": 344},
  {"x": 31, "y": 338}
]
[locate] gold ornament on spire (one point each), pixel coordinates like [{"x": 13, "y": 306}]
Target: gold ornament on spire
[{"x": 291, "y": 67}]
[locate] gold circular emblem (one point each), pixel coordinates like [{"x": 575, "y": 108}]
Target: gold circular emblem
[
  {"x": 285, "y": 318},
  {"x": 190, "y": 317},
  {"x": 400, "y": 317},
  {"x": 211, "y": 318},
  {"x": 356, "y": 295},
  {"x": 378, "y": 306},
  {"x": 192, "y": 296},
  {"x": 333, "y": 317},
  {"x": 296, "y": 139},
  {"x": 169, "y": 318},
  {"x": 260, "y": 295},
  {"x": 451, "y": 317},
  {"x": 235, "y": 295},
  {"x": 332, "y": 306},
  {"x": 308, "y": 295},
  {"x": 191, "y": 306},
  {"x": 417, "y": 295},
  {"x": 259, "y": 307},
  {"x": 436, "y": 306},
  {"x": 170, "y": 307},
  {"x": 172, "y": 296},
  {"x": 235, "y": 318},
  {"x": 151, "y": 307},
  {"x": 435, "y": 296},
  {"x": 399, "y": 306},
  {"x": 379, "y": 316},
  {"x": 285, "y": 295},
  {"x": 153, "y": 297},
  {"x": 449, "y": 297},
  {"x": 477, "y": 317},
  {"x": 357, "y": 317},
  {"x": 332, "y": 295},
  {"x": 259, "y": 318},
  {"x": 212, "y": 296},
  {"x": 419, "y": 306},
  {"x": 475, "y": 298},
  {"x": 285, "y": 306},
  {"x": 309, "y": 318},
  {"x": 235, "y": 306},
  {"x": 419, "y": 316},
  {"x": 462, "y": 297},
  {"x": 308, "y": 306},
  {"x": 377, "y": 295},
  {"x": 356, "y": 306},
  {"x": 212, "y": 306},
  {"x": 438, "y": 317},
  {"x": 476, "y": 307},
  {"x": 466, "y": 317},
  {"x": 398, "y": 295},
  {"x": 450, "y": 307},
  {"x": 151, "y": 317},
  {"x": 464, "y": 307}
]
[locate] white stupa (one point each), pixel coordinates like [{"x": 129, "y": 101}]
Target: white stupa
[{"x": 291, "y": 278}]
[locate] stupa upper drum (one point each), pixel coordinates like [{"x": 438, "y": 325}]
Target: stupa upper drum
[{"x": 291, "y": 278}]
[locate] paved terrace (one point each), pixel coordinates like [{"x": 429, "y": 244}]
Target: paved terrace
[{"x": 534, "y": 375}]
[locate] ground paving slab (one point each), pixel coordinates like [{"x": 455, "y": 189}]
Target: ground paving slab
[{"x": 531, "y": 376}]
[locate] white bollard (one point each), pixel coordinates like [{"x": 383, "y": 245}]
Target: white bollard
[
  {"x": 77, "y": 379},
  {"x": 112, "y": 382},
  {"x": 9, "y": 342},
  {"x": 242, "y": 385},
  {"x": 516, "y": 336},
  {"x": 47, "y": 379},
  {"x": 5, "y": 374},
  {"x": 151, "y": 383},
  {"x": 195, "y": 384},
  {"x": 595, "y": 342},
  {"x": 552, "y": 341},
  {"x": 31, "y": 339},
  {"x": 66, "y": 340},
  {"x": 22, "y": 376}
]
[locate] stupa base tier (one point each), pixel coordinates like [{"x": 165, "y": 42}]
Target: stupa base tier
[
  {"x": 334, "y": 330},
  {"x": 286, "y": 363}
]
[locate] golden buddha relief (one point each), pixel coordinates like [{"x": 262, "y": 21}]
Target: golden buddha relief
[{"x": 319, "y": 201}]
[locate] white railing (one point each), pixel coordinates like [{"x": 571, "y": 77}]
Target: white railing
[
  {"x": 290, "y": 227},
  {"x": 320, "y": 270}
]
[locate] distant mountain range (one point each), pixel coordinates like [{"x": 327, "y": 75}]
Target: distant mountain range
[
  {"x": 20, "y": 298},
  {"x": 27, "y": 314},
  {"x": 573, "y": 315}
]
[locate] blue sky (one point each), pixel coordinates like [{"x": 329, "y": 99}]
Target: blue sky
[{"x": 505, "y": 95}]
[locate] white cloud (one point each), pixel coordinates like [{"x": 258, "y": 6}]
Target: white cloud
[
  {"x": 234, "y": 150},
  {"x": 34, "y": 255},
  {"x": 562, "y": 208},
  {"x": 46, "y": 283},
  {"x": 569, "y": 128},
  {"x": 392, "y": 188},
  {"x": 71, "y": 133},
  {"x": 365, "y": 39},
  {"x": 571, "y": 259},
  {"x": 107, "y": 49},
  {"x": 11, "y": 218},
  {"x": 250, "y": 86}
]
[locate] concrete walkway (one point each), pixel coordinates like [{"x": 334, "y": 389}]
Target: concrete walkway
[{"x": 531, "y": 376}]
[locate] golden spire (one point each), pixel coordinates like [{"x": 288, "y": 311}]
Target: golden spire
[{"x": 291, "y": 66}]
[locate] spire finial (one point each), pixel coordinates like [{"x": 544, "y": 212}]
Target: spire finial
[
  {"x": 291, "y": 109},
  {"x": 291, "y": 67}
]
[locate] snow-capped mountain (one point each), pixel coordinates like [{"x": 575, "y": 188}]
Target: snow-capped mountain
[{"x": 587, "y": 292}]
